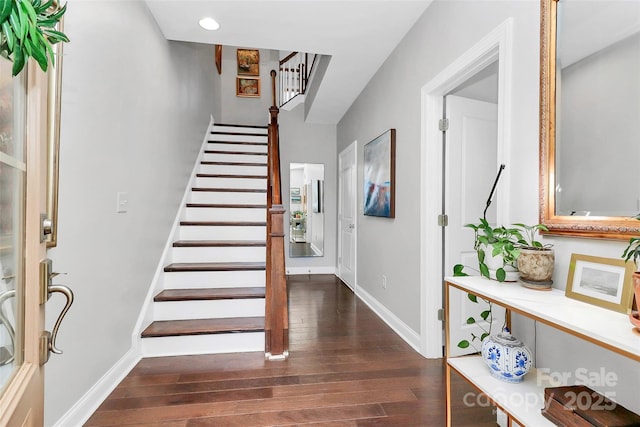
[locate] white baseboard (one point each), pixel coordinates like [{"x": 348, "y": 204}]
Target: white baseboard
[
  {"x": 87, "y": 405},
  {"x": 406, "y": 333},
  {"x": 310, "y": 270}
]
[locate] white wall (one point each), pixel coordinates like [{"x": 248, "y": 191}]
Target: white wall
[
  {"x": 302, "y": 142},
  {"x": 243, "y": 110},
  {"x": 392, "y": 99},
  {"x": 134, "y": 111}
]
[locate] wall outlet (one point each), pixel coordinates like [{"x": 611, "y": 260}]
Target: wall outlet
[
  {"x": 384, "y": 281},
  {"x": 122, "y": 202}
]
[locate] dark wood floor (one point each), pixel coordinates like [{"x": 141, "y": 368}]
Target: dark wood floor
[{"x": 346, "y": 368}]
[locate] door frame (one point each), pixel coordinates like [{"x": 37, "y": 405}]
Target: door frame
[
  {"x": 497, "y": 45},
  {"x": 353, "y": 147}
]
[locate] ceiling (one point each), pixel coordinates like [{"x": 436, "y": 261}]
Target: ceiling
[{"x": 358, "y": 34}]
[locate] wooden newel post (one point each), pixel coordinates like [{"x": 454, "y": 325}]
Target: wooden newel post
[{"x": 276, "y": 310}]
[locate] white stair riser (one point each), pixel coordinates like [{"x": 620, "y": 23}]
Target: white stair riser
[
  {"x": 227, "y": 197},
  {"x": 223, "y": 146},
  {"x": 216, "y": 309},
  {"x": 197, "y": 232},
  {"x": 242, "y": 158},
  {"x": 240, "y": 138},
  {"x": 233, "y": 170},
  {"x": 213, "y": 279},
  {"x": 239, "y": 254},
  {"x": 202, "y": 344},
  {"x": 243, "y": 129},
  {"x": 231, "y": 183},
  {"x": 225, "y": 214}
]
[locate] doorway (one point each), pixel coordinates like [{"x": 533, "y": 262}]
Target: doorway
[
  {"x": 347, "y": 214},
  {"x": 493, "y": 48}
]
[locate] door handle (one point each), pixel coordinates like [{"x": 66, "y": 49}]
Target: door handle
[
  {"x": 48, "y": 339},
  {"x": 352, "y": 226}
]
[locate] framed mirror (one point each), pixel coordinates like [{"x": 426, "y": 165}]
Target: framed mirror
[
  {"x": 590, "y": 117},
  {"x": 306, "y": 210}
]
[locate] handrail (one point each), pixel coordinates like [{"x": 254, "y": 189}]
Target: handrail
[
  {"x": 294, "y": 75},
  {"x": 276, "y": 306}
]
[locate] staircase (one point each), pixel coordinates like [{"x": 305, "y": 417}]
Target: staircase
[{"x": 213, "y": 296}]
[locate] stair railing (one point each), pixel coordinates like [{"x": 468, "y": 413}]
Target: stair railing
[
  {"x": 276, "y": 299},
  {"x": 295, "y": 71}
]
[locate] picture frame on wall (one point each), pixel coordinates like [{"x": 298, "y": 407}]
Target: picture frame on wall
[
  {"x": 248, "y": 87},
  {"x": 379, "y": 175},
  {"x": 248, "y": 62},
  {"x": 605, "y": 282}
]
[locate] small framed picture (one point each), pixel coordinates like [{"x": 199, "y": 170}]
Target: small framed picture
[
  {"x": 248, "y": 62},
  {"x": 248, "y": 86},
  {"x": 605, "y": 282}
]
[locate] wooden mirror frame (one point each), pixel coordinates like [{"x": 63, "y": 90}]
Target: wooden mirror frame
[{"x": 603, "y": 227}]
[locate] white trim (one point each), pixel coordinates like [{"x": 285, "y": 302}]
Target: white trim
[
  {"x": 290, "y": 271},
  {"x": 146, "y": 312},
  {"x": 406, "y": 333},
  {"x": 84, "y": 408},
  {"x": 496, "y": 45}
]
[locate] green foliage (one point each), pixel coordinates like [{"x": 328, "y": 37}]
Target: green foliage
[
  {"x": 528, "y": 235},
  {"x": 632, "y": 251},
  {"x": 502, "y": 241},
  {"x": 28, "y": 30},
  {"x": 486, "y": 316}
]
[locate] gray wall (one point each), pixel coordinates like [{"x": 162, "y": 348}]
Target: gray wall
[
  {"x": 311, "y": 143},
  {"x": 135, "y": 109},
  {"x": 392, "y": 99},
  {"x": 242, "y": 110}
]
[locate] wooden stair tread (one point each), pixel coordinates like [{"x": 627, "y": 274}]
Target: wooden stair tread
[
  {"x": 224, "y": 175},
  {"x": 241, "y": 153},
  {"x": 225, "y": 205},
  {"x": 230, "y": 190},
  {"x": 242, "y": 126},
  {"x": 217, "y": 243},
  {"x": 226, "y": 223},
  {"x": 165, "y": 328},
  {"x": 239, "y": 142},
  {"x": 214, "y": 266},
  {"x": 206, "y": 162},
  {"x": 218, "y": 132},
  {"x": 210, "y": 294}
]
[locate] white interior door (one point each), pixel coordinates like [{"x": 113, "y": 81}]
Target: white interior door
[
  {"x": 347, "y": 209},
  {"x": 22, "y": 199},
  {"x": 471, "y": 144}
]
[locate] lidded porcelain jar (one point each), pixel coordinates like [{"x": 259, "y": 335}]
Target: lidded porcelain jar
[{"x": 507, "y": 357}]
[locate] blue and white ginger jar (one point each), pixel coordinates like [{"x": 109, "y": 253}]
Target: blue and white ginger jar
[{"x": 507, "y": 357}]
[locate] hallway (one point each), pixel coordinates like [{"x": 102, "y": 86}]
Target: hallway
[{"x": 346, "y": 368}]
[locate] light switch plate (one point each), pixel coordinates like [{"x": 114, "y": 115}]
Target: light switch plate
[{"x": 122, "y": 202}]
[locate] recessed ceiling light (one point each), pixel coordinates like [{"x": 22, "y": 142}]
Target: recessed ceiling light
[{"x": 209, "y": 24}]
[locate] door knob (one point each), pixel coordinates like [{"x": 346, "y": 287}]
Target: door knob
[{"x": 352, "y": 226}]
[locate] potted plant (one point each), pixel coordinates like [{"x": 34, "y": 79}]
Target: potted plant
[
  {"x": 632, "y": 253},
  {"x": 497, "y": 250},
  {"x": 28, "y": 28},
  {"x": 536, "y": 261}
]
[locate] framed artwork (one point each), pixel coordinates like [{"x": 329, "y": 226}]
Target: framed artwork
[
  {"x": 248, "y": 62},
  {"x": 248, "y": 86},
  {"x": 605, "y": 282},
  {"x": 295, "y": 191},
  {"x": 219, "y": 58},
  {"x": 379, "y": 175}
]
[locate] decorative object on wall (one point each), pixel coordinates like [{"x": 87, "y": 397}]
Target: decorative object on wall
[
  {"x": 248, "y": 86},
  {"x": 379, "y": 175},
  {"x": 605, "y": 282},
  {"x": 248, "y": 62},
  {"x": 218, "y": 50},
  {"x": 295, "y": 195}
]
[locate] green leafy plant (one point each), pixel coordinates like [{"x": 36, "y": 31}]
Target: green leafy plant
[
  {"x": 486, "y": 315},
  {"x": 28, "y": 29},
  {"x": 528, "y": 235},
  {"x": 502, "y": 241},
  {"x": 632, "y": 251}
]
